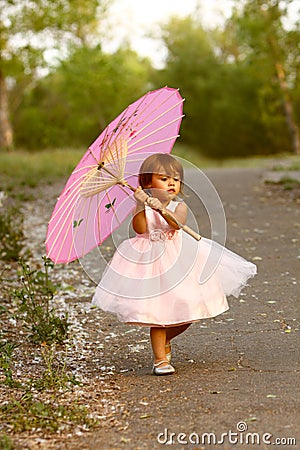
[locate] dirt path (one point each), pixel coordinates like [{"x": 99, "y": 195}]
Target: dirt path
[{"x": 237, "y": 371}]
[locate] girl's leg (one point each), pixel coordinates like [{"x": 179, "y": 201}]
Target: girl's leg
[
  {"x": 158, "y": 342},
  {"x": 175, "y": 331}
]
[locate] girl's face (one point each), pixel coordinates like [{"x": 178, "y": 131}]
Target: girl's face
[{"x": 165, "y": 187}]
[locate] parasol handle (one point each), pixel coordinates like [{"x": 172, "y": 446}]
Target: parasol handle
[
  {"x": 167, "y": 214},
  {"x": 186, "y": 228},
  {"x": 191, "y": 232}
]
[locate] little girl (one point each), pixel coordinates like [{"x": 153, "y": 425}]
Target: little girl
[{"x": 157, "y": 278}]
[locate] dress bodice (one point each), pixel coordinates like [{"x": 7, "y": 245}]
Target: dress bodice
[{"x": 155, "y": 221}]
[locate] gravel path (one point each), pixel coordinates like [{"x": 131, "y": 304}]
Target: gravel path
[{"x": 235, "y": 374}]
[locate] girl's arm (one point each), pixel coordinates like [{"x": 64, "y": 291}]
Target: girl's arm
[{"x": 139, "y": 221}]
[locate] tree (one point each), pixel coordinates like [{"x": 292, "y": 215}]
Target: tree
[
  {"x": 273, "y": 52},
  {"x": 241, "y": 81},
  {"x": 73, "y": 104},
  {"x": 221, "y": 103},
  {"x": 28, "y": 30},
  {"x": 190, "y": 64}
]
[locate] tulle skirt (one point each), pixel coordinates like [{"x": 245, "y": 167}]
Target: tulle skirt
[{"x": 168, "y": 279}]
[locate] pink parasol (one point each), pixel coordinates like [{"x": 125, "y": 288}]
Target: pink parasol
[{"x": 92, "y": 204}]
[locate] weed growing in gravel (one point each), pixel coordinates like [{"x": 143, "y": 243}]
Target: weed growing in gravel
[
  {"x": 55, "y": 375},
  {"x": 34, "y": 296},
  {"x": 286, "y": 183},
  {"x": 6, "y": 443},
  {"x": 6, "y": 352},
  {"x": 28, "y": 413},
  {"x": 11, "y": 234},
  {"x": 289, "y": 183}
]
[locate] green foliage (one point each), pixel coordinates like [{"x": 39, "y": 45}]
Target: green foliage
[
  {"x": 29, "y": 30},
  {"x": 236, "y": 105},
  {"x": 74, "y": 104},
  {"x": 271, "y": 53},
  {"x": 11, "y": 234},
  {"x": 36, "y": 24},
  {"x": 241, "y": 81},
  {"x": 34, "y": 305}
]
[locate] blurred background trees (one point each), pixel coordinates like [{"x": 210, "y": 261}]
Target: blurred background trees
[
  {"x": 241, "y": 81},
  {"x": 32, "y": 31}
]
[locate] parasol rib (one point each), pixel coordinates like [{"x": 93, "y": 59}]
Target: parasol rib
[
  {"x": 150, "y": 134},
  {"x": 156, "y": 142},
  {"x": 157, "y": 118}
]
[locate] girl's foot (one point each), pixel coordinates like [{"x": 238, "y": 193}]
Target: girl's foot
[
  {"x": 168, "y": 352},
  {"x": 163, "y": 368}
]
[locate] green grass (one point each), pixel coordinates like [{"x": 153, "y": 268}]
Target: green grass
[
  {"x": 290, "y": 165},
  {"x": 27, "y": 169},
  {"x": 46, "y": 164}
]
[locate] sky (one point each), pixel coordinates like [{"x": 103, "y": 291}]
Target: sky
[{"x": 132, "y": 19}]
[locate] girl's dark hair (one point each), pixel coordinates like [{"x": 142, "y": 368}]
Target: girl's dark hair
[{"x": 159, "y": 163}]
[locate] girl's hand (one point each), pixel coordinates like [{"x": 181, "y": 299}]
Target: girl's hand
[
  {"x": 140, "y": 195},
  {"x": 154, "y": 203}
]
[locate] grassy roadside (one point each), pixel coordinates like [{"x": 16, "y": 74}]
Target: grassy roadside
[
  {"x": 284, "y": 161},
  {"x": 22, "y": 169}
]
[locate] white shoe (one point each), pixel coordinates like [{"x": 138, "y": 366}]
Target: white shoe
[{"x": 164, "y": 370}]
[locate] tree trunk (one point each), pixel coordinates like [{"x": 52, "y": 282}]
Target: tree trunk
[
  {"x": 288, "y": 110},
  {"x": 6, "y": 132}
]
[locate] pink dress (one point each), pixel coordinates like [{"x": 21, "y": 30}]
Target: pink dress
[{"x": 165, "y": 277}]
